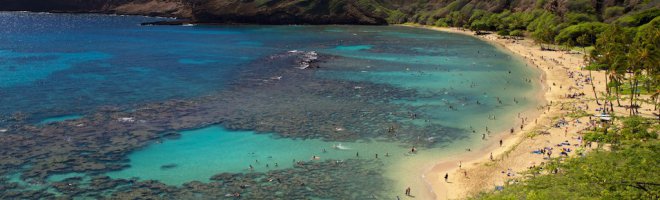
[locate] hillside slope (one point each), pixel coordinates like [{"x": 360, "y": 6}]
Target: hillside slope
[
  {"x": 373, "y": 12},
  {"x": 223, "y": 11},
  {"x": 292, "y": 12}
]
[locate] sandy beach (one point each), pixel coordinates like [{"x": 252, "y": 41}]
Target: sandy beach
[{"x": 565, "y": 89}]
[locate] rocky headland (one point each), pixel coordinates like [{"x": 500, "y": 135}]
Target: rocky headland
[{"x": 221, "y": 11}]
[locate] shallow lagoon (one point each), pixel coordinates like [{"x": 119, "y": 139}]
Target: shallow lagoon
[
  {"x": 200, "y": 154},
  {"x": 110, "y": 61}
]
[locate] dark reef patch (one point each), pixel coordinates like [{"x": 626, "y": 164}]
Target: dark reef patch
[
  {"x": 285, "y": 100},
  {"x": 331, "y": 179}
]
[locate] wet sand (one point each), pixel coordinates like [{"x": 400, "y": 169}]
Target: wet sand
[{"x": 562, "y": 75}]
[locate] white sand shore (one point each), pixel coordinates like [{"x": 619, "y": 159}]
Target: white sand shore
[{"x": 562, "y": 76}]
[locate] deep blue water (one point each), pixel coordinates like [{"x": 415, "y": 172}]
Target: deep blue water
[{"x": 61, "y": 64}]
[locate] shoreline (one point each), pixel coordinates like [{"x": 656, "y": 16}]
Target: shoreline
[
  {"x": 425, "y": 165},
  {"x": 459, "y": 188}
]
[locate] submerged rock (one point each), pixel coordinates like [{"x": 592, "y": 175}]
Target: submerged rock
[{"x": 168, "y": 166}]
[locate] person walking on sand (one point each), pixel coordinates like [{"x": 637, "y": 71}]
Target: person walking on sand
[
  {"x": 408, "y": 191},
  {"x": 500, "y": 143},
  {"x": 446, "y": 177}
]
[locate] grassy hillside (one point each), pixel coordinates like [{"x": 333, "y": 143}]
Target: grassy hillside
[{"x": 628, "y": 171}]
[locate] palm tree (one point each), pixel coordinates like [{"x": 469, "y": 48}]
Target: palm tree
[
  {"x": 588, "y": 61},
  {"x": 607, "y": 59},
  {"x": 656, "y": 99},
  {"x": 649, "y": 38},
  {"x": 617, "y": 75},
  {"x": 640, "y": 56},
  {"x": 617, "y": 79},
  {"x": 583, "y": 41}
]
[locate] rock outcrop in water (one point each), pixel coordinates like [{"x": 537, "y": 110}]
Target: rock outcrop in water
[{"x": 306, "y": 60}]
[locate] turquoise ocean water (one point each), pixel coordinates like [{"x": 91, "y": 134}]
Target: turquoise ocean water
[{"x": 61, "y": 67}]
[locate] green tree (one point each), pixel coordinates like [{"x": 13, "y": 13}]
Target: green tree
[
  {"x": 517, "y": 33},
  {"x": 649, "y": 37},
  {"x": 577, "y": 18},
  {"x": 456, "y": 19},
  {"x": 479, "y": 25},
  {"x": 589, "y": 30},
  {"x": 543, "y": 27},
  {"x": 642, "y": 58},
  {"x": 636, "y": 127}
]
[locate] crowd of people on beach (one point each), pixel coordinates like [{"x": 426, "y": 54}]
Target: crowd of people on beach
[{"x": 570, "y": 98}]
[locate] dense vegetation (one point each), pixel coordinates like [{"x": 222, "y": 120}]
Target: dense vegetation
[
  {"x": 631, "y": 59},
  {"x": 629, "y": 170}
]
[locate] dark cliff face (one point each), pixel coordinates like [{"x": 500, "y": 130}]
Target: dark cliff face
[
  {"x": 52, "y": 5},
  {"x": 164, "y": 8}
]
